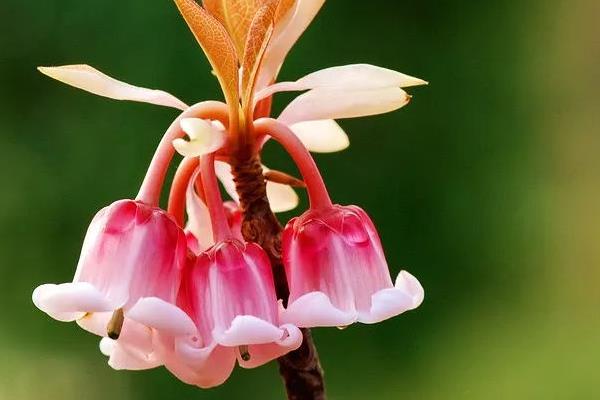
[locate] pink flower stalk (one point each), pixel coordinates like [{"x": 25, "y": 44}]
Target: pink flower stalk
[
  {"x": 131, "y": 252},
  {"x": 337, "y": 272},
  {"x": 186, "y": 197}
]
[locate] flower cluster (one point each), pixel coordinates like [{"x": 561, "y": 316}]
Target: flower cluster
[{"x": 180, "y": 286}]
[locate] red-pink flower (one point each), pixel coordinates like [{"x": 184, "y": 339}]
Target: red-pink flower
[
  {"x": 228, "y": 306},
  {"x": 230, "y": 294},
  {"x": 131, "y": 252},
  {"x": 337, "y": 271}
]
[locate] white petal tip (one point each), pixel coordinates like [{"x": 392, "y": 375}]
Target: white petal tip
[
  {"x": 411, "y": 285},
  {"x": 106, "y": 346},
  {"x": 69, "y": 301},
  {"x": 157, "y": 313},
  {"x": 315, "y": 309},
  {"x": 407, "y": 295},
  {"x": 248, "y": 330}
]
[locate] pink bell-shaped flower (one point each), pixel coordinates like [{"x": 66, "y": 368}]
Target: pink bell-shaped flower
[
  {"x": 132, "y": 252},
  {"x": 337, "y": 272},
  {"x": 228, "y": 305},
  {"x": 230, "y": 295}
]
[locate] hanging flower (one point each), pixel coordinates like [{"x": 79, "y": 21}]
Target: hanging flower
[
  {"x": 335, "y": 267},
  {"x": 337, "y": 272},
  {"x": 230, "y": 295},
  {"x": 131, "y": 252}
]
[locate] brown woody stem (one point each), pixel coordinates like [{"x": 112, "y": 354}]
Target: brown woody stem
[{"x": 301, "y": 370}]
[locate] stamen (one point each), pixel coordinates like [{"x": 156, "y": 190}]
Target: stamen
[
  {"x": 244, "y": 353},
  {"x": 115, "y": 325},
  {"x": 341, "y": 328}
]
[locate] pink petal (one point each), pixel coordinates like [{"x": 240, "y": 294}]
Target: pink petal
[
  {"x": 285, "y": 35},
  {"x": 165, "y": 317},
  {"x": 337, "y": 103},
  {"x": 315, "y": 310},
  {"x": 133, "y": 334},
  {"x": 96, "y": 323},
  {"x": 124, "y": 358},
  {"x": 347, "y": 77},
  {"x": 93, "y": 81},
  {"x": 132, "y": 250},
  {"x": 246, "y": 330},
  {"x": 206, "y": 367},
  {"x": 263, "y": 353},
  {"x": 322, "y": 136},
  {"x": 69, "y": 301},
  {"x": 191, "y": 351}
]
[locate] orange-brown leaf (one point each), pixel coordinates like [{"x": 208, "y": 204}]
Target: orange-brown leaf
[
  {"x": 217, "y": 46},
  {"x": 236, "y": 16},
  {"x": 283, "y": 8},
  {"x": 259, "y": 34}
]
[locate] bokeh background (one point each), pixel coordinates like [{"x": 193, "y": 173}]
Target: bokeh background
[{"x": 486, "y": 187}]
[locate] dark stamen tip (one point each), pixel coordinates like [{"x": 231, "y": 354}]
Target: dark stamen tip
[
  {"x": 113, "y": 335},
  {"x": 115, "y": 325},
  {"x": 244, "y": 353}
]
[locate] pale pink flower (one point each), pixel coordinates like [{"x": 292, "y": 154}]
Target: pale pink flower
[
  {"x": 131, "y": 252},
  {"x": 337, "y": 272}
]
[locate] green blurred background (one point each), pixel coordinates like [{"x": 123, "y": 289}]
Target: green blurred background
[{"x": 486, "y": 187}]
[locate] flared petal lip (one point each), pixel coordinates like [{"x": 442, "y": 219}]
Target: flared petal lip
[
  {"x": 68, "y": 302},
  {"x": 124, "y": 358},
  {"x": 315, "y": 309},
  {"x": 249, "y": 330},
  {"x": 163, "y": 316},
  {"x": 196, "y": 365},
  {"x": 406, "y": 295},
  {"x": 263, "y": 353},
  {"x": 193, "y": 355}
]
